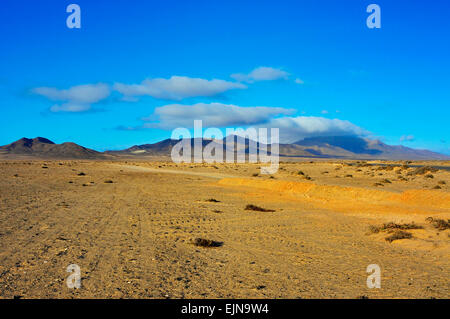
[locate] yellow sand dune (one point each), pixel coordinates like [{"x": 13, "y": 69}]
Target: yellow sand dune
[{"x": 353, "y": 199}]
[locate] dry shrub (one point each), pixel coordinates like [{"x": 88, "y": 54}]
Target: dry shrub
[
  {"x": 429, "y": 176},
  {"x": 81, "y": 174},
  {"x": 441, "y": 182},
  {"x": 108, "y": 181},
  {"x": 391, "y": 226},
  {"x": 374, "y": 229},
  {"x": 386, "y": 168},
  {"x": 378, "y": 184},
  {"x": 258, "y": 209},
  {"x": 363, "y": 164},
  {"x": 213, "y": 200},
  {"x": 399, "y": 234},
  {"x": 201, "y": 242},
  {"x": 439, "y": 224},
  {"x": 386, "y": 181},
  {"x": 423, "y": 170}
]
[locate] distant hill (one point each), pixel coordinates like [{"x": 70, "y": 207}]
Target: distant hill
[
  {"x": 348, "y": 147},
  {"x": 345, "y": 147},
  {"x": 44, "y": 148},
  {"x": 163, "y": 148},
  {"x": 357, "y": 147}
]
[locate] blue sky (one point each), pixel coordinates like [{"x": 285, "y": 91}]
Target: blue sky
[{"x": 137, "y": 69}]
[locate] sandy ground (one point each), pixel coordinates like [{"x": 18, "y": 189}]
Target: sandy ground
[{"x": 133, "y": 238}]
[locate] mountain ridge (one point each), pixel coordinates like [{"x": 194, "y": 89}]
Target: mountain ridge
[
  {"x": 45, "y": 148},
  {"x": 345, "y": 147}
]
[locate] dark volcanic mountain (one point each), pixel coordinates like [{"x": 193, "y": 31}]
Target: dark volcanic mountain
[
  {"x": 349, "y": 147},
  {"x": 44, "y": 148},
  {"x": 162, "y": 148},
  {"x": 357, "y": 147}
]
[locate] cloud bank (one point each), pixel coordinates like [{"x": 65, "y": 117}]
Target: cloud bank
[
  {"x": 293, "y": 129},
  {"x": 81, "y": 97},
  {"x": 407, "y": 138},
  {"x": 219, "y": 115},
  {"x": 262, "y": 73},
  {"x": 213, "y": 115},
  {"x": 177, "y": 88},
  {"x": 75, "y": 99}
]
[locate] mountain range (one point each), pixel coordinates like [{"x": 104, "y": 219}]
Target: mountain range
[
  {"x": 44, "y": 148},
  {"x": 346, "y": 147}
]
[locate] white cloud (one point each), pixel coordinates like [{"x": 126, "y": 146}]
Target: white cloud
[
  {"x": 77, "y": 98},
  {"x": 261, "y": 73},
  {"x": 407, "y": 138},
  {"x": 324, "y": 112},
  {"x": 70, "y": 107},
  {"x": 177, "y": 88},
  {"x": 293, "y": 129},
  {"x": 213, "y": 115},
  {"x": 299, "y": 81}
]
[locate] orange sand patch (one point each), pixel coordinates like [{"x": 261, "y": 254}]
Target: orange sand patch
[{"x": 350, "y": 199}]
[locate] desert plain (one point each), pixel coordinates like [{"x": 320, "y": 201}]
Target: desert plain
[{"x": 141, "y": 229}]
